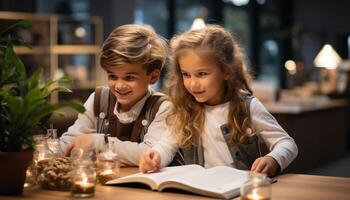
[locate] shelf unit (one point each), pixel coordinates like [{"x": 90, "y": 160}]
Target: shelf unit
[{"x": 62, "y": 45}]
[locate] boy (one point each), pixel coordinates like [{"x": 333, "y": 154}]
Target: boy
[{"x": 128, "y": 110}]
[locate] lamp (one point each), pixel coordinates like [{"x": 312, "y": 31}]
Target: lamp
[
  {"x": 197, "y": 24},
  {"x": 327, "y": 59}
]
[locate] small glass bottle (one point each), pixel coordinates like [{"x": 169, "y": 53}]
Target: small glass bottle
[
  {"x": 257, "y": 187},
  {"x": 83, "y": 175},
  {"x": 53, "y": 141},
  {"x": 107, "y": 164}
]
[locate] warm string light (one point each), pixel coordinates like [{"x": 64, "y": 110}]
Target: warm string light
[{"x": 291, "y": 67}]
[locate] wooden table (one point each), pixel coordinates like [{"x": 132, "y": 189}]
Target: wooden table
[{"x": 288, "y": 186}]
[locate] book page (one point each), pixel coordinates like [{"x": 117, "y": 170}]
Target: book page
[
  {"x": 220, "y": 179},
  {"x": 154, "y": 179}
]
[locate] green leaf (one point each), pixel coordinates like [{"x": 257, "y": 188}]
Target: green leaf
[
  {"x": 33, "y": 107},
  {"x": 13, "y": 61},
  {"x": 61, "y": 89},
  {"x": 15, "y": 104},
  {"x": 35, "y": 80},
  {"x": 49, "y": 82},
  {"x": 7, "y": 66},
  {"x": 65, "y": 79},
  {"x": 33, "y": 95},
  {"x": 19, "y": 23},
  {"x": 54, "y": 107},
  {"x": 48, "y": 92}
]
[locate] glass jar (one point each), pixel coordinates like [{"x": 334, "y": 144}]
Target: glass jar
[
  {"x": 52, "y": 167},
  {"x": 107, "y": 165},
  {"x": 83, "y": 176},
  {"x": 41, "y": 152},
  {"x": 54, "y": 173},
  {"x": 53, "y": 142},
  {"x": 257, "y": 187}
]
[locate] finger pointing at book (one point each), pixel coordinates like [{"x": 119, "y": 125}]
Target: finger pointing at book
[
  {"x": 149, "y": 161},
  {"x": 266, "y": 165}
]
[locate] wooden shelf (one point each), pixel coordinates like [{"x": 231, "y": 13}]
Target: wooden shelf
[
  {"x": 75, "y": 49},
  {"x": 37, "y": 50},
  {"x": 48, "y": 30}
]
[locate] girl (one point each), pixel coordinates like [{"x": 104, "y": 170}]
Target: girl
[{"x": 215, "y": 120}]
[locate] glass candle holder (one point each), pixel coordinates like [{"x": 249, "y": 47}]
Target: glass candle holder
[
  {"x": 257, "y": 187},
  {"x": 107, "y": 166},
  {"x": 83, "y": 180},
  {"x": 41, "y": 152}
]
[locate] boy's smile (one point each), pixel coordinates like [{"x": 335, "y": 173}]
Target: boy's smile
[{"x": 129, "y": 83}]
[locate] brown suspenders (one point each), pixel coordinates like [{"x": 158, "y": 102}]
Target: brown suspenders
[{"x": 126, "y": 132}]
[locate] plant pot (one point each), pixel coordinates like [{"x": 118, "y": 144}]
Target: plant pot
[{"x": 13, "y": 166}]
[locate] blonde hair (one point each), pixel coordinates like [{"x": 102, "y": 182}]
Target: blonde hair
[
  {"x": 134, "y": 44},
  {"x": 188, "y": 116}
]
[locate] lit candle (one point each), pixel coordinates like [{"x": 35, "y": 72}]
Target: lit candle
[
  {"x": 254, "y": 196},
  {"x": 106, "y": 175},
  {"x": 83, "y": 188},
  {"x": 107, "y": 172},
  {"x": 107, "y": 165}
]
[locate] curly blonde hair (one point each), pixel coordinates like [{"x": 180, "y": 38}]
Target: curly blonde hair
[
  {"x": 188, "y": 116},
  {"x": 133, "y": 43}
]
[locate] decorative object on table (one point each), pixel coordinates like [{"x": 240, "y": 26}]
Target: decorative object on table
[
  {"x": 327, "y": 61},
  {"x": 52, "y": 167},
  {"x": 107, "y": 164},
  {"x": 24, "y": 105},
  {"x": 257, "y": 187},
  {"x": 54, "y": 173},
  {"x": 41, "y": 152},
  {"x": 53, "y": 141},
  {"x": 83, "y": 175}
]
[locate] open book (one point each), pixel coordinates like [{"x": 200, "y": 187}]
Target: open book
[{"x": 219, "y": 182}]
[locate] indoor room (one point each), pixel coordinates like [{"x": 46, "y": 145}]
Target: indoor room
[{"x": 281, "y": 89}]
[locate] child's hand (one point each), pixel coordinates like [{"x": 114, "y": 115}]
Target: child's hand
[
  {"x": 83, "y": 141},
  {"x": 149, "y": 161},
  {"x": 266, "y": 165}
]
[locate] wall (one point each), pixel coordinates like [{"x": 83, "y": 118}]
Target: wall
[
  {"x": 320, "y": 22},
  {"x": 113, "y": 12}
]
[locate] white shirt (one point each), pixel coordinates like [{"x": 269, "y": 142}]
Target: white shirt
[
  {"x": 127, "y": 151},
  {"x": 282, "y": 147}
]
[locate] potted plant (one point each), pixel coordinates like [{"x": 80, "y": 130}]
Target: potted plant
[{"x": 24, "y": 105}]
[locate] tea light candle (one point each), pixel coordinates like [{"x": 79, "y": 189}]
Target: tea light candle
[
  {"x": 83, "y": 188},
  {"x": 107, "y": 165},
  {"x": 106, "y": 172},
  {"x": 254, "y": 196},
  {"x": 256, "y": 187},
  {"x": 106, "y": 176}
]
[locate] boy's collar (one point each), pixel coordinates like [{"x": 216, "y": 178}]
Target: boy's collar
[{"x": 133, "y": 113}]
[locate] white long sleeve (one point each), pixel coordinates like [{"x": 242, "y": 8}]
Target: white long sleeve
[
  {"x": 85, "y": 123},
  {"x": 281, "y": 145},
  {"x": 127, "y": 151}
]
